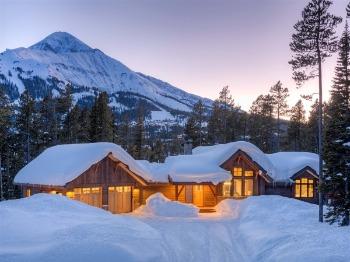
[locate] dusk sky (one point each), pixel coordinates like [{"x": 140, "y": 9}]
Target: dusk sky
[{"x": 199, "y": 46}]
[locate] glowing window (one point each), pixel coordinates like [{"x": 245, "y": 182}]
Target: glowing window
[
  {"x": 237, "y": 187},
  {"x": 86, "y": 190},
  {"x": 70, "y": 194},
  {"x": 297, "y": 190},
  {"x": 111, "y": 188},
  {"x": 28, "y": 192},
  {"x": 95, "y": 190},
  {"x": 119, "y": 189},
  {"x": 304, "y": 188},
  {"x": 127, "y": 189},
  {"x": 226, "y": 188},
  {"x": 53, "y": 192},
  {"x": 311, "y": 190},
  {"x": 248, "y": 187},
  {"x": 77, "y": 191},
  {"x": 237, "y": 171},
  {"x": 249, "y": 173}
]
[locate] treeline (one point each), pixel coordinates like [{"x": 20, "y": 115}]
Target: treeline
[
  {"x": 32, "y": 125},
  {"x": 270, "y": 123}
]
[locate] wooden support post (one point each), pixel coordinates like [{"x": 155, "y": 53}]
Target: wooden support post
[{"x": 176, "y": 193}]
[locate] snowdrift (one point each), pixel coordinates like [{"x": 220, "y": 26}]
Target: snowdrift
[
  {"x": 158, "y": 205},
  {"x": 53, "y": 228},
  {"x": 276, "y": 228}
]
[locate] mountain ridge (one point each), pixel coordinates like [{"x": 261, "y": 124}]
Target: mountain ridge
[{"x": 61, "y": 58}]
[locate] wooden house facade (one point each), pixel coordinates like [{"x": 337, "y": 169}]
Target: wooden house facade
[{"x": 112, "y": 185}]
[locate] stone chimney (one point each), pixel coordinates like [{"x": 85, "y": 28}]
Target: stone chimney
[{"x": 188, "y": 147}]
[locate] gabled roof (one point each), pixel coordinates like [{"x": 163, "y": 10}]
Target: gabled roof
[
  {"x": 204, "y": 165},
  {"x": 287, "y": 164},
  {"x": 58, "y": 165},
  {"x": 61, "y": 164}
]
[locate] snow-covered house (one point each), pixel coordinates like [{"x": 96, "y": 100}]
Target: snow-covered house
[{"x": 104, "y": 175}]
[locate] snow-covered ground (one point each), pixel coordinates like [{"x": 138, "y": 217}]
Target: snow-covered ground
[{"x": 265, "y": 228}]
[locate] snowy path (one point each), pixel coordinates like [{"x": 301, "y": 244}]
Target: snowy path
[
  {"x": 207, "y": 238},
  {"x": 266, "y": 228}
]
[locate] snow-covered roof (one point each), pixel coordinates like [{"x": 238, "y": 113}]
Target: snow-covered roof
[
  {"x": 61, "y": 164},
  {"x": 204, "y": 164},
  {"x": 287, "y": 164}
]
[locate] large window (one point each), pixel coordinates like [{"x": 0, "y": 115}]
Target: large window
[
  {"x": 304, "y": 187},
  {"x": 226, "y": 189},
  {"x": 242, "y": 183},
  {"x": 89, "y": 195}
]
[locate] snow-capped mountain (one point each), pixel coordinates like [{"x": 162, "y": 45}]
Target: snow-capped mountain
[{"x": 61, "y": 58}]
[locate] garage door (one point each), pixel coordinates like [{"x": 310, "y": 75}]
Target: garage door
[{"x": 119, "y": 199}]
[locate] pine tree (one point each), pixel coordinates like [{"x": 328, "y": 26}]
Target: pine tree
[
  {"x": 215, "y": 126},
  {"x": 26, "y": 126},
  {"x": 159, "y": 152},
  {"x": 312, "y": 129},
  {"x": 139, "y": 135},
  {"x": 47, "y": 123},
  {"x": 84, "y": 126},
  {"x": 123, "y": 132},
  {"x": 279, "y": 95},
  {"x": 315, "y": 40},
  {"x": 296, "y": 128},
  {"x": 336, "y": 153},
  {"x": 226, "y": 122},
  {"x": 261, "y": 122},
  {"x": 72, "y": 125},
  {"x": 61, "y": 111},
  {"x": 6, "y": 112},
  {"x": 194, "y": 125},
  {"x": 102, "y": 120}
]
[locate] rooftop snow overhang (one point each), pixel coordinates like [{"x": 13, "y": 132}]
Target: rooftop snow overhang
[{"x": 307, "y": 169}]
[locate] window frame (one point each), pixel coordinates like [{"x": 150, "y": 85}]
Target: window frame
[
  {"x": 239, "y": 173},
  {"x": 304, "y": 183}
]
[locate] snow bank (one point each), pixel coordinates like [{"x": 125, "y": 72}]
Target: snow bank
[
  {"x": 61, "y": 164},
  {"x": 275, "y": 228},
  {"x": 53, "y": 228},
  {"x": 228, "y": 207},
  {"x": 158, "y": 205}
]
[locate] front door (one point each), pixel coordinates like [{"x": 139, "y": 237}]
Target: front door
[{"x": 198, "y": 195}]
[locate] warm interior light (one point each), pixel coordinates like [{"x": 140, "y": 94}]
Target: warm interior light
[
  {"x": 70, "y": 194},
  {"x": 226, "y": 188},
  {"x": 304, "y": 187},
  {"x": 249, "y": 173},
  {"x": 237, "y": 171}
]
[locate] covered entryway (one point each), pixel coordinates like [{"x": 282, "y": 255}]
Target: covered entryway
[
  {"x": 198, "y": 195},
  {"x": 119, "y": 199}
]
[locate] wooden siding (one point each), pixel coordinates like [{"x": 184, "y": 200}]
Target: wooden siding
[{"x": 107, "y": 172}]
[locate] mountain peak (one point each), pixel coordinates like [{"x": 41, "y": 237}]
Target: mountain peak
[{"x": 61, "y": 42}]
